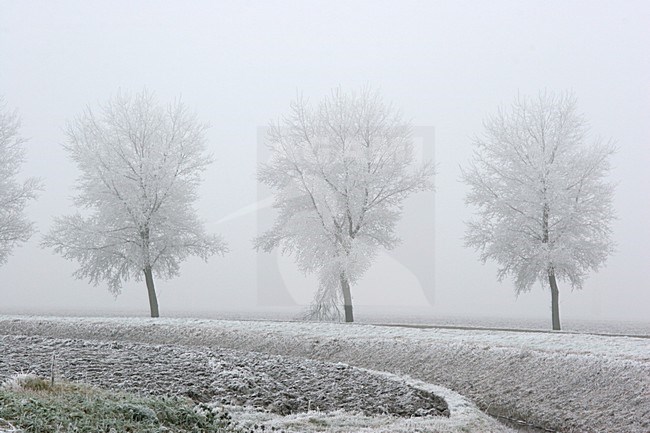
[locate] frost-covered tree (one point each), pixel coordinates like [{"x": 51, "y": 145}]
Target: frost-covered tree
[
  {"x": 140, "y": 166},
  {"x": 341, "y": 171},
  {"x": 15, "y": 228},
  {"x": 544, "y": 202}
]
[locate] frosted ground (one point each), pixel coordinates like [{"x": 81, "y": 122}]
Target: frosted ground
[
  {"x": 376, "y": 315},
  {"x": 566, "y": 382},
  {"x": 256, "y": 389}
]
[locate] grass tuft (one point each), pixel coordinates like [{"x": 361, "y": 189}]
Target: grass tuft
[{"x": 31, "y": 404}]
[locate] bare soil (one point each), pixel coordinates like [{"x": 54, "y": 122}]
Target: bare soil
[{"x": 279, "y": 384}]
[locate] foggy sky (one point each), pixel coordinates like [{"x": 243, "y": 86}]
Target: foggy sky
[{"x": 446, "y": 65}]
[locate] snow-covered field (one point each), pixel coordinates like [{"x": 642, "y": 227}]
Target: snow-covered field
[
  {"x": 378, "y": 315},
  {"x": 567, "y": 382},
  {"x": 284, "y": 394},
  {"x": 254, "y": 388}
]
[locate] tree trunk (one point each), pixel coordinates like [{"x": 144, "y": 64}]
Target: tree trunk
[
  {"x": 153, "y": 300},
  {"x": 347, "y": 298},
  {"x": 555, "y": 298},
  {"x": 555, "y": 293}
]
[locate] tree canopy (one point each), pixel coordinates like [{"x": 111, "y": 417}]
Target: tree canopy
[
  {"x": 140, "y": 165},
  {"x": 340, "y": 171},
  {"x": 544, "y": 207},
  {"x": 15, "y": 194}
]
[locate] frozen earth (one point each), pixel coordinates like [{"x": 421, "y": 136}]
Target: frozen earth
[
  {"x": 277, "y": 384},
  {"x": 565, "y": 382},
  {"x": 260, "y": 392}
]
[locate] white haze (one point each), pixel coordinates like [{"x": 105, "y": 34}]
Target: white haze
[{"x": 446, "y": 65}]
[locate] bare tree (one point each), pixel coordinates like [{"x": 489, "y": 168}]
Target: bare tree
[
  {"x": 340, "y": 172},
  {"x": 544, "y": 205},
  {"x": 140, "y": 168},
  {"x": 15, "y": 228}
]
